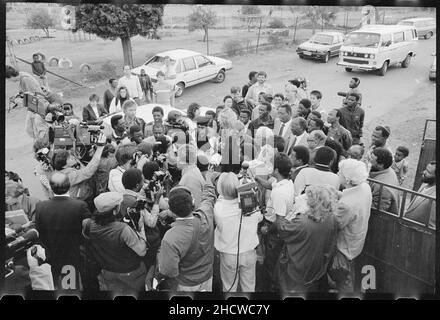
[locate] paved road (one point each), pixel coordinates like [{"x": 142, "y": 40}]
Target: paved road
[{"x": 380, "y": 94}]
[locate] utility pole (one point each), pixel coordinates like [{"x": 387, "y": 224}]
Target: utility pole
[{"x": 259, "y": 30}]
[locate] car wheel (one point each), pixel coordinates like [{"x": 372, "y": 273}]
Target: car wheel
[
  {"x": 432, "y": 78},
  {"x": 428, "y": 35},
  {"x": 301, "y": 56},
  {"x": 405, "y": 63},
  {"x": 348, "y": 69},
  {"x": 384, "y": 69},
  {"x": 326, "y": 58},
  {"x": 220, "y": 77},
  {"x": 180, "y": 87}
]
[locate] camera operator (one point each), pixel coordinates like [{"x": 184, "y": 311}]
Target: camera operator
[
  {"x": 230, "y": 226},
  {"x": 116, "y": 247},
  {"x": 279, "y": 205},
  {"x": 187, "y": 249},
  {"x": 52, "y": 97},
  {"x": 124, "y": 157},
  {"x": 35, "y": 125},
  {"x": 43, "y": 169},
  {"x": 16, "y": 199},
  {"x": 108, "y": 162},
  {"x": 63, "y": 161}
]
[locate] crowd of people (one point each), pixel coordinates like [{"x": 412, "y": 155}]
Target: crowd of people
[{"x": 164, "y": 200}]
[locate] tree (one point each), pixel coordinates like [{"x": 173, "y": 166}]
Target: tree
[
  {"x": 123, "y": 21},
  {"x": 202, "y": 19},
  {"x": 41, "y": 19},
  {"x": 319, "y": 15},
  {"x": 250, "y": 11}
]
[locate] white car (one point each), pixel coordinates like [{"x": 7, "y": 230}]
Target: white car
[
  {"x": 145, "y": 113},
  {"x": 321, "y": 46},
  {"x": 191, "y": 68}
]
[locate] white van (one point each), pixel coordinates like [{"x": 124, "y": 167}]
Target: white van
[
  {"x": 425, "y": 27},
  {"x": 376, "y": 47}
]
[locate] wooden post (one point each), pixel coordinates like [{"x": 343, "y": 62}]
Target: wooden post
[
  {"x": 294, "y": 31},
  {"x": 259, "y": 31},
  {"x": 383, "y": 17},
  {"x": 346, "y": 21}
]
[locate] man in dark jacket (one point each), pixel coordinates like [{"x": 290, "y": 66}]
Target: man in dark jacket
[
  {"x": 93, "y": 111},
  {"x": 59, "y": 222}
]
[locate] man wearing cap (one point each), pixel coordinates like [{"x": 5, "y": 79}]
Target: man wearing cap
[
  {"x": 202, "y": 133},
  {"x": 58, "y": 222},
  {"x": 116, "y": 247},
  {"x": 187, "y": 249}
]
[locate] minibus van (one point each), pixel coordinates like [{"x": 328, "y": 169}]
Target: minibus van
[
  {"x": 425, "y": 27},
  {"x": 376, "y": 47}
]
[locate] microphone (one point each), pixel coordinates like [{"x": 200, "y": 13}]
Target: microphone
[
  {"x": 21, "y": 243},
  {"x": 28, "y": 236}
]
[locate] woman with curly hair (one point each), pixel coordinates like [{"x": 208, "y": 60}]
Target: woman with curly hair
[{"x": 309, "y": 240}]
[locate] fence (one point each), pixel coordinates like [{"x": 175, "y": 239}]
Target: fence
[{"x": 402, "y": 251}]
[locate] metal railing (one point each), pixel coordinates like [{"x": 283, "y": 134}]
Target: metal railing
[{"x": 402, "y": 209}]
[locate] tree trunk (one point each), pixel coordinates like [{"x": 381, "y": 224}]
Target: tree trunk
[
  {"x": 46, "y": 30},
  {"x": 205, "y": 32},
  {"x": 127, "y": 50}
]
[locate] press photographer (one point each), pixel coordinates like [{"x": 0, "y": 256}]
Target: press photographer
[
  {"x": 80, "y": 187},
  {"x": 136, "y": 210},
  {"x": 116, "y": 247}
]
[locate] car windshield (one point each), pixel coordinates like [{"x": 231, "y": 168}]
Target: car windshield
[
  {"x": 321, "y": 39},
  {"x": 406, "y": 23},
  {"x": 362, "y": 39},
  {"x": 157, "y": 62}
]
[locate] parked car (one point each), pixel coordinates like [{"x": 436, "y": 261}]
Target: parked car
[
  {"x": 191, "y": 68},
  {"x": 433, "y": 69},
  {"x": 321, "y": 46},
  {"x": 145, "y": 113},
  {"x": 376, "y": 47},
  {"x": 425, "y": 27}
]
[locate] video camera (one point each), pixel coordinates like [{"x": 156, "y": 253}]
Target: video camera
[
  {"x": 17, "y": 243},
  {"x": 42, "y": 155},
  {"x": 36, "y": 103},
  {"x": 67, "y": 135},
  {"x": 247, "y": 192}
]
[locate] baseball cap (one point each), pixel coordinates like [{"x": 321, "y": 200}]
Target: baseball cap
[{"x": 107, "y": 201}]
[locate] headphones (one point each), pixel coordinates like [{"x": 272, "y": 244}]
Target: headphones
[{"x": 187, "y": 190}]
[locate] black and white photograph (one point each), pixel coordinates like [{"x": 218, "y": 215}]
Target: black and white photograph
[{"x": 222, "y": 149}]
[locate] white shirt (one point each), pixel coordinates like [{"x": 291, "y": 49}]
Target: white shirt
[
  {"x": 133, "y": 86},
  {"x": 227, "y": 220},
  {"x": 313, "y": 176},
  {"x": 299, "y": 138},
  {"x": 286, "y": 128},
  {"x": 353, "y": 223},
  {"x": 115, "y": 180},
  {"x": 281, "y": 200},
  {"x": 95, "y": 110}
]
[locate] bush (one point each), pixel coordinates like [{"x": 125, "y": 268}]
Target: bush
[
  {"x": 276, "y": 23},
  {"x": 107, "y": 71},
  {"x": 274, "y": 39},
  {"x": 232, "y": 47}
]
